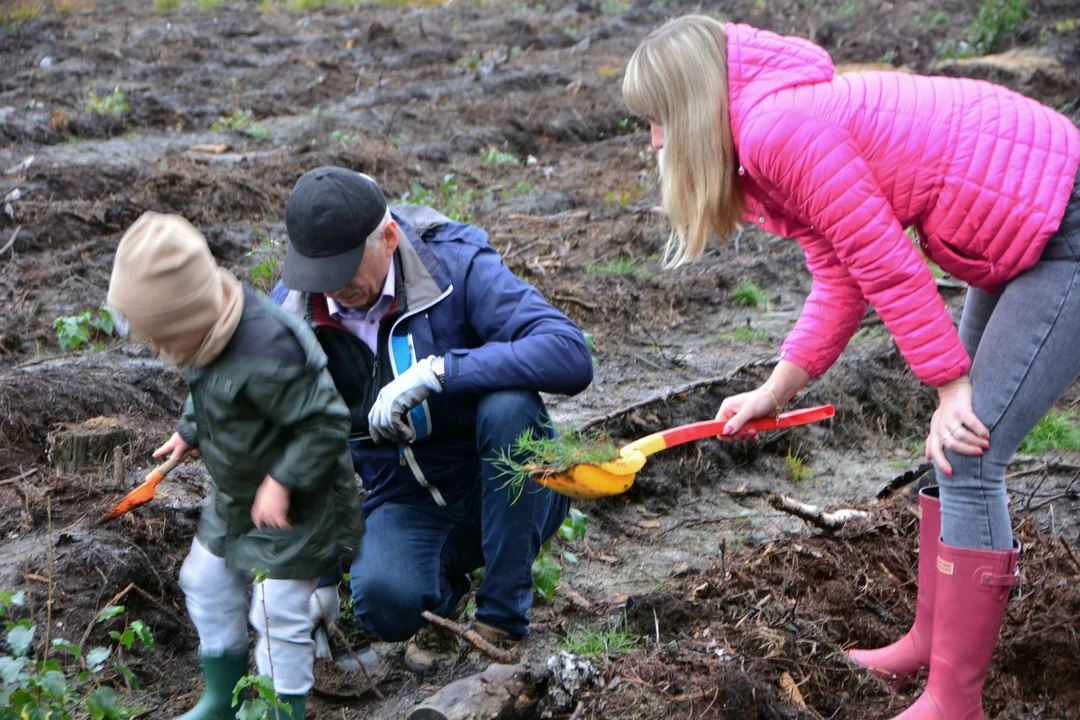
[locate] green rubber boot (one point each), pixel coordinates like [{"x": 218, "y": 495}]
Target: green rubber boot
[
  {"x": 221, "y": 673},
  {"x": 296, "y": 702}
]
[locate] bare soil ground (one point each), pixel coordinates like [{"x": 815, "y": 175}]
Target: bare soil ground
[{"x": 728, "y": 594}]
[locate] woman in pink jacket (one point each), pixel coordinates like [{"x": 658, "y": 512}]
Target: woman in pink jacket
[{"x": 756, "y": 127}]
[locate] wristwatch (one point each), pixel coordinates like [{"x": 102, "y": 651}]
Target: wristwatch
[{"x": 438, "y": 366}]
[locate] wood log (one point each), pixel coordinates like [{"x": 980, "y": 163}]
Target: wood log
[
  {"x": 500, "y": 692},
  {"x": 87, "y": 446}
]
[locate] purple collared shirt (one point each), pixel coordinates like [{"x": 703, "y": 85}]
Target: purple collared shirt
[{"x": 364, "y": 324}]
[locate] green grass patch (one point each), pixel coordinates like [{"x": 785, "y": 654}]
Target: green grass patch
[
  {"x": 166, "y": 5},
  {"x": 622, "y": 266},
  {"x": 19, "y": 12},
  {"x": 746, "y": 333},
  {"x": 1056, "y": 431},
  {"x": 748, "y": 294},
  {"x": 797, "y": 468},
  {"x": 206, "y": 5},
  {"x": 588, "y": 641}
]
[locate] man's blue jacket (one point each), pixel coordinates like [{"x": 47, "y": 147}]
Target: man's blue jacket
[{"x": 456, "y": 299}]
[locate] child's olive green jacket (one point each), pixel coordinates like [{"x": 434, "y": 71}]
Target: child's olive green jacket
[{"x": 267, "y": 406}]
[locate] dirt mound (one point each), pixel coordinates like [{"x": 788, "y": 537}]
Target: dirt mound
[
  {"x": 38, "y": 396},
  {"x": 792, "y": 607}
]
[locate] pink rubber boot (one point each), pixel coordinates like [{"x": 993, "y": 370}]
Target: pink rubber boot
[
  {"x": 972, "y": 593},
  {"x": 910, "y": 653}
]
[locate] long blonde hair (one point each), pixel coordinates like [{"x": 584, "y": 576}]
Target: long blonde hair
[{"x": 678, "y": 78}]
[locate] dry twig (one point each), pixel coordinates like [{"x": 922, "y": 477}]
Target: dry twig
[
  {"x": 814, "y": 515},
  {"x": 496, "y": 654}
]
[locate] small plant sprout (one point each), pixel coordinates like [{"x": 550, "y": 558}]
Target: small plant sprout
[
  {"x": 113, "y": 104},
  {"x": 51, "y": 687},
  {"x": 264, "y": 274},
  {"x": 493, "y": 156},
  {"x": 748, "y": 294},
  {"x": 241, "y": 121},
  {"x": 797, "y": 468},
  {"x": 546, "y": 570},
  {"x": 450, "y": 199},
  {"x": 77, "y": 332},
  {"x": 532, "y": 455}
]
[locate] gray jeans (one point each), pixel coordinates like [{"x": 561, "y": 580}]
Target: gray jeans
[{"x": 1024, "y": 341}]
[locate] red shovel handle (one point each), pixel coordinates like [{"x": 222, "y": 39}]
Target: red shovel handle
[{"x": 713, "y": 428}]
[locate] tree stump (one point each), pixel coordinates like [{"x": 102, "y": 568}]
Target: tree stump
[
  {"x": 87, "y": 446},
  {"x": 500, "y": 692}
]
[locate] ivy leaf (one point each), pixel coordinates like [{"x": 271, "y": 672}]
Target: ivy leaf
[
  {"x": 126, "y": 638},
  {"x": 110, "y": 612},
  {"x": 102, "y": 704},
  {"x": 127, "y": 673},
  {"x": 252, "y": 710},
  {"x": 69, "y": 646},
  {"x": 10, "y": 669},
  {"x": 143, "y": 633},
  {"x": 546, "y": 573},
  {"x": 55, "y": 684},
  {"x": 20, "y": 638},
  {"x": 573, "y": 527},
  {"x": 569, "y": 557},
  {"x": 96, "y": 658}
]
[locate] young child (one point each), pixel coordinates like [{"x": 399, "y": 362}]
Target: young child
[{"x": 273, "y": 433}]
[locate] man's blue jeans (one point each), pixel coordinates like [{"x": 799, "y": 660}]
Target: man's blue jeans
[{"x": 417, "y": 557}]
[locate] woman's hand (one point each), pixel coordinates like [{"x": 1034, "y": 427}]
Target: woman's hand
[
  {"x": 742, "y": 408},
  {"x": 955, "y": 426},
  {"x": 271, "y": 506},
  {"x": 177, "y": 448}
]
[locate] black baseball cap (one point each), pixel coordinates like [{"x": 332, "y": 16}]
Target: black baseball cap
[{"x": 329, "y": 216}]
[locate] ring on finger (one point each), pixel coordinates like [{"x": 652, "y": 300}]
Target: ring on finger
[
  {"x": 956, "y": 428},
  {"x": 946, "y": 436}
]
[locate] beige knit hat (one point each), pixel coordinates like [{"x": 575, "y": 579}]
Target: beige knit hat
[{"x": 164, "y": 281}]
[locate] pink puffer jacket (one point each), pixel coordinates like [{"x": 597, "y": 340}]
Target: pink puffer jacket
[{"x": 844, "y": 163}]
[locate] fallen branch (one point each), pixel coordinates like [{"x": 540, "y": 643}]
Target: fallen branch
[
  {"x": 17, "y": 478},
  {"x": 496, "y": 654},
  {"x": 667, "y": 395},
  {"x": 814, "y": 515},
  {"x": 11, "y": 240}
]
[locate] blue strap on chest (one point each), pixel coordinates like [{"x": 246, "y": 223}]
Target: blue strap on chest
[{"x": 404, "y": 355}]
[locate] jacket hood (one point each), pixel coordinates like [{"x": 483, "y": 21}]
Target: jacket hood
[{"x": 761, "y": 63}]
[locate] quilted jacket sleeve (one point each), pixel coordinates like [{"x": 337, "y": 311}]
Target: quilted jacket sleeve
[
  {"x": 831, "y": 313},
  {"x": 524, "y": 341},
  {"x": 825, "y": 182}
]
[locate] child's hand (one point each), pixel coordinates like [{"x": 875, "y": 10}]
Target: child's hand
[
  {"x": 271, "y": 506},
  {"x": 177, "y": 446}
]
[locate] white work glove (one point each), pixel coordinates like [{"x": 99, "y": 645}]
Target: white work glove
[{"x": 387, "y": 420}]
